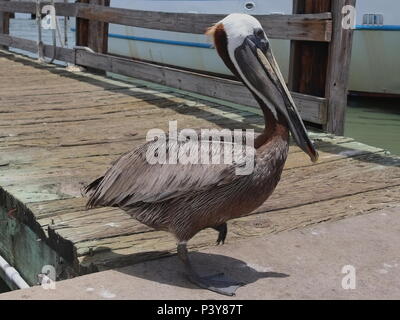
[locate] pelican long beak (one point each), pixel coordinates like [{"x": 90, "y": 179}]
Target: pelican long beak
[{"x": 260, "y": 72}]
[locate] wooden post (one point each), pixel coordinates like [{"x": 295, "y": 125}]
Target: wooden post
[
  {"x": 322, "y": 69},
  {"x": 309, "y": 59},
  {"x": 338, "y": 69},
  {"x": 82, "y": 29},
  {"x": 4, "y": 25},
  {"x": 92, "y": 34},
  {"x": 98, "y": 31}
]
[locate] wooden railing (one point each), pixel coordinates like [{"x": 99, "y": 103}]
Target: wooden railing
[{"x": 320, "y": 54}]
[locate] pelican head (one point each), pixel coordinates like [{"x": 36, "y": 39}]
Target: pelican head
[{"x": 244, "y": 47}]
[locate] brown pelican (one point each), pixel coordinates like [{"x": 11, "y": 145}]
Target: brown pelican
[{"x": 187, "y": 198}]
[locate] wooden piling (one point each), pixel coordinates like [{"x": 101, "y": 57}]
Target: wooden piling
[
  {"x": 91, "y": 33},
  {"x": 321, "y": 68},
  {"x": 338, "y": 69},
  {"x": 82, "y": 29},
  {"x": 4, "y": 25},
  {"x": 309, "y": 59}
]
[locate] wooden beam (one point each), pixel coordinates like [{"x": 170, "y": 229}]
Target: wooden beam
[
  {"x": 13, "y": 42},
  {"x": 308, "y": 27},
  {"x": 338, "y": 69},
  {"x": 4, "y": 25},
  {"x": 315, "y": 28},
  {"x": 312, "y": 109}
]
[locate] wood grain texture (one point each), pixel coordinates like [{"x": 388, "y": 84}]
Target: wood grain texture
[
  {"x": 66, "y": 128},
  {"x": 338, "y": 69},
  {"x": 322, "y": 69},
  {"x": 298, "y": 27},
  {"x": 312, "y": 109},
  {"x": 309, "y": 60},
  {"x": 92, "y": 33},
  {"x": 82, "y": 29}
]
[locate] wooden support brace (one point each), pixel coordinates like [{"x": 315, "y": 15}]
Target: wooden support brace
[{"x": 338, "y": 69}]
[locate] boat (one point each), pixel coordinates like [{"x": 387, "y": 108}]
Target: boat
[{"x": 375, "y": 61}]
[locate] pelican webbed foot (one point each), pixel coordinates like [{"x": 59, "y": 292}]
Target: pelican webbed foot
[{"x": 217, "y": 283}]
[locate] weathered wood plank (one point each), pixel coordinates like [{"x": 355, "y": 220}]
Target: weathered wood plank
[
  {"x": 334, "y": 179},
  {"x": 53, "y": 181},
  {"x": 129, "y": 249},
  {"x": 143, "y": 240},
  {"x": 34, "y": 161},
  {"x": 312, "y": 109},
  {"x": 296, "y": 27},
  {"x": 337, "y": 77},
  {"x": 19, "y": 43},
  {"x": 60, "y": 185}
]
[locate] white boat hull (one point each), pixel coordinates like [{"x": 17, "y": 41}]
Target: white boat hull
[{"x": 375, "y": 61}]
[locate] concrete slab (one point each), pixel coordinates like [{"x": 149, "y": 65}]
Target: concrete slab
[{"x": 299, "y": 264}]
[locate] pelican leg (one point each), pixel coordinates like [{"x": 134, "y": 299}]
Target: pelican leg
[
  {"x": 223, "y": 230},
  {"x": 217, "y": 283}
]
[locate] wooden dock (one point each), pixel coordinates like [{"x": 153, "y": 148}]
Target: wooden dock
[{"x": 59, "y": 130}]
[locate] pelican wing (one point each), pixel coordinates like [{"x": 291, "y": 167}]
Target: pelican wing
[{"x": 133, "y": 178}]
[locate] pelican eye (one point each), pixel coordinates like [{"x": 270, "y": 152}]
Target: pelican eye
[{"x": 259, "y": 33}]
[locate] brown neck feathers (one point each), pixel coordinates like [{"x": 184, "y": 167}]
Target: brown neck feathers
[
  {"x": 273, "y": 126},
  {"x": 221, "y": 45}
]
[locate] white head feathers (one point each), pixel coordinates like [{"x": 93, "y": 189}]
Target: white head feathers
[{"x": 237, "y": 27}]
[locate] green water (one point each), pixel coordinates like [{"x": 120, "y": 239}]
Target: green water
[
  {"x": 3, "y": 286},
  {"x": 374, "y": 121}
]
